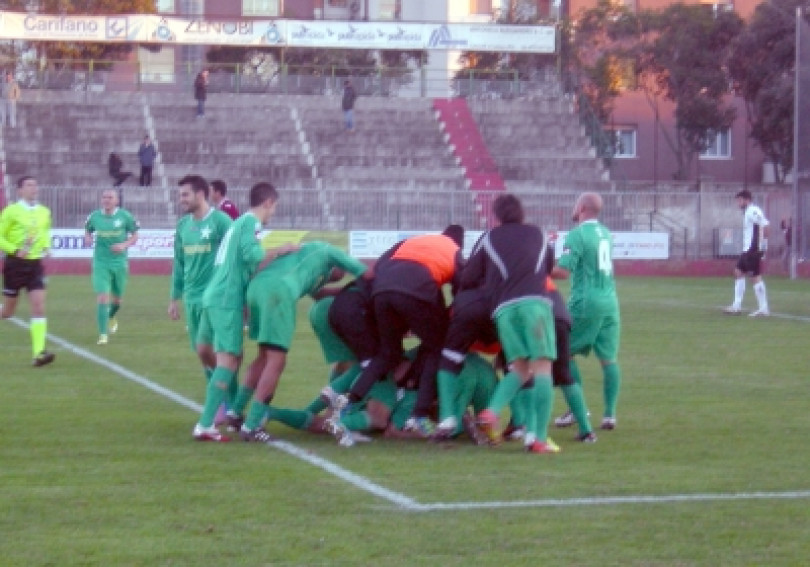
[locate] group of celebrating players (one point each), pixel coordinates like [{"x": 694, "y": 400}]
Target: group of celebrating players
[{"x": 502, "y": 300}]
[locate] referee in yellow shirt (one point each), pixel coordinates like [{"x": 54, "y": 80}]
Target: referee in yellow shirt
[{"x": 25, "y": 237}]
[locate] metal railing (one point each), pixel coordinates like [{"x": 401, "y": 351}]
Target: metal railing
[
  {"x": 280, "y": 78},
  {"x": 691, "y": 218}
]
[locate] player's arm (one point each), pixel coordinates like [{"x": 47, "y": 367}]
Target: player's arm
[
  {"x": 89, "y": 229},
  {"x": 44, "y": 236},
  {"x": 178, "y": 271},
  {"x": 122, "y": 246},
  {"x": 272, "y": 253},
  {"x": 347, "y": 263},
  {"x": 568, "y": 260},
  {"x": 5, "y": 228}
]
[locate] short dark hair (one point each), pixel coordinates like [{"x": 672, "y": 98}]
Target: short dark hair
[
  {"x": 219, "y": 186},
  {"x": 455, "y": 232},
  {"x": 197, "y": 182},
  {"x": 261, "y": 192},
  {"x": 744, "y": 194},
  {"x": 508, "y": 209},
  {"x": 21, "y": 181}
]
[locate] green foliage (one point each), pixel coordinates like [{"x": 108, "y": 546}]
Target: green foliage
[
  {"x": 98, "y": 470},
  {"x": 762, "y": 66}
]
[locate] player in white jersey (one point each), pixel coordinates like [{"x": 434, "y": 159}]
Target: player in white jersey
[{"x": 755, "y": 243}]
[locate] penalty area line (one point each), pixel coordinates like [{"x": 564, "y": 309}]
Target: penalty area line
[{"x": 355, "y": 480}]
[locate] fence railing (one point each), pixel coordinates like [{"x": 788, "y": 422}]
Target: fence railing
[
  {"x": 276, "y": 78},
  {"x": 696, "y": 222}
]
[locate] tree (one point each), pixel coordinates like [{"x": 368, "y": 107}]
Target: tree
[
  {"x": 685, "y": 62},
  {"x": 762, "y": 66}
]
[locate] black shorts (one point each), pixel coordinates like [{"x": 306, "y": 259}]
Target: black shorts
[
  {"x": 560, "y": 369},
  {"x": 351, "y": 318},
  {"x": 750, "y": 263},
  {"x": 19, "y": 273}
]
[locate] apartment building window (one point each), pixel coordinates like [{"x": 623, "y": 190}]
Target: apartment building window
[
  {"x": 718, "y": 145},
  {"x": 480, "y": 6},
  {"x": 261, "y": 8},
  {"x": 624, "y": 139},
  {"x": 164, "y": 6}
]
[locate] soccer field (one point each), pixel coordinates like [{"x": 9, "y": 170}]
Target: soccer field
[{"x": 708, "y": 464}]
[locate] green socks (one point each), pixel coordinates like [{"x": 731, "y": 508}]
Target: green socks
[
  {"x": 576, "y": 403},
  {"x": 39, "y": 330},
  {"x": 102, "y": 317},
  {"x": 447, "y": 386},
  {"x": 256, "y": 414},
  {"x": 215, "y": 393},
  {"x": 297, "y": 419},
  {"x": 114, "y": 308},
  {"x": 356, "y": 421},
  {"x": 506, "y": 390},
  {"x": 241, "y": 399},
  {"x": 612, "y": 381},
  {"x": 574, "y": 369},
  {"x": 543, "y": 400}
]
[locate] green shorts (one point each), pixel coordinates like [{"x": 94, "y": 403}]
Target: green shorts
[
  {"x": 526, "y": 330},
  {"x": 199, "y": 331},
  {"x": 399, "y": 401},
  {"x": 599, "y": 332},
  {"x": 110, "y": 279},
  {"x": 272, "y": 314},
  {"x": 334, "y": 349},
  {"x": 477, "y": 382},
  {"x": 226, "y": 328}
]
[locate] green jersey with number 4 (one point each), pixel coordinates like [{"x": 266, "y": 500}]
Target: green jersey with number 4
[{"x": 587, "y": 255}]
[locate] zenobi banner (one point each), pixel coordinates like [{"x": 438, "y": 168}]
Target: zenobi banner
[{"x": 151, "y": 28}]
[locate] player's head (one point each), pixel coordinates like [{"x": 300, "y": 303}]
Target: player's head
[
  {"x": 263, "y": 200},
  {"x": 109, "y": 200},
  {"x": 588, "y": 206},
  {"x": 27, "y": 188},
  {"x": 218, "y": 190},
  {"x": 744, "y": 198},
  {"x": 193, "y": 193},
  {"x": 455, "y": 232},
  {"x": 508, "y": 209}
]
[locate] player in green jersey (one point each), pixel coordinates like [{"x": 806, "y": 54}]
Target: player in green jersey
[
  {"x": 115, "y": 230},
  {"x": 272, "y": 297},
  {"x": 239, "y": 257},
  {"x": 196, "y": 241},
  {"x": 25, "y": 237},
  {"x": 587, "y": 258}
]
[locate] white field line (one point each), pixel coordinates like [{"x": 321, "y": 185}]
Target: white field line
[
  {"x": 405, "y": 502},
  {"x": 354, "y": 479}
]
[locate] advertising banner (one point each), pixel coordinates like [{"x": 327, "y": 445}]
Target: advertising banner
[
  {"x": 626, "y": 245},
  {"x": 151, "y": 28}
]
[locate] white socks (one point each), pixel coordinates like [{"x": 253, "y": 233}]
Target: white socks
[
  {"x": 739, "y": 292},
  {"x": 762, "y": 296}
]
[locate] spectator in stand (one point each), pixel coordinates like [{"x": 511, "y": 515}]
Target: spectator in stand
[
  {"x": 201, "y": 91},
  {"x": 8, "y": 106},
  {"x": 219, "y": 190},
  {"x": 115, "y": 166},
  {"x": 147, "y": 154},
  {"x": 349, "y": 96}
]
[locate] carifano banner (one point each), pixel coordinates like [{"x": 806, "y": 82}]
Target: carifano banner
[{"x": 149, "y": 28}]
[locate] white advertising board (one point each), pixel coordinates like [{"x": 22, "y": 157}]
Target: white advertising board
[{"x": 151, "y": 28}]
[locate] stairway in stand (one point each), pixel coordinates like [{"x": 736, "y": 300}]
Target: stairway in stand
[{"x": 471, "y": 153}]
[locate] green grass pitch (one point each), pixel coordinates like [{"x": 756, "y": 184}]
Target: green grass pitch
[{"x": 708, "y": 465}]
